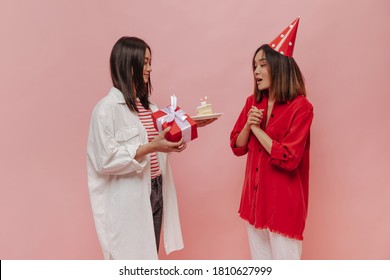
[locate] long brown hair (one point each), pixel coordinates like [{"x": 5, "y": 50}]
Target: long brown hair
[
  {"x": 127, "y": 66},
  {"x": 287, "y": 81}
]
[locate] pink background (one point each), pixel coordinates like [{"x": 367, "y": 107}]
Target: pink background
[{"x": 54, "y": 68}]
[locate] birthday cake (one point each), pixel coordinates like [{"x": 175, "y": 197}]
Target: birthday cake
[{"x": 204, "y": 108}]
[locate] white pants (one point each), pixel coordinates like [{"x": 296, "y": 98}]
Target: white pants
[{"x": 266, "y": 245}]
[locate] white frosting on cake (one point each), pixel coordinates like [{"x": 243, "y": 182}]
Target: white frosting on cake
[{"x": 204, "y": 109}]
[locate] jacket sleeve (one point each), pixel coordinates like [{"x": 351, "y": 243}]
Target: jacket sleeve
[
  {"x": 288, "y": 152},
  {"x": 240, "y": 123},
  {"x": 107, "y": 155}
]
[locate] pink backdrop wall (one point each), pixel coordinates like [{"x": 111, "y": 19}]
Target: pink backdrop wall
[{"x": 54, "y": 68}]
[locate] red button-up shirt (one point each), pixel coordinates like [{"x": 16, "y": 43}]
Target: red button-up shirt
[{"x": 276, "y": 185}]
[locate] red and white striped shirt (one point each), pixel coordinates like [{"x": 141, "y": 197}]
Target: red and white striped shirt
[{"x": 145, "y": 117}]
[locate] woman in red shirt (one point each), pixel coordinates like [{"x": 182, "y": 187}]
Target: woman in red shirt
[{"x": 274, "y": 130}]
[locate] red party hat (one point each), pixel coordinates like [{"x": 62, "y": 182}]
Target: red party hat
[{"x": 284, "y": 43}]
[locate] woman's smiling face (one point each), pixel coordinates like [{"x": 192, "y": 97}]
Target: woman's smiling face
[{"x": 147, "y": 65}]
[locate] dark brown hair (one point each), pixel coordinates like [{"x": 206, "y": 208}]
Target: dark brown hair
[
  {"x": 286, "y": 78},
  {"x": 127, "y": 66}
]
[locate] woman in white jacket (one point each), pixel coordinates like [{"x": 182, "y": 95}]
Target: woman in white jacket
[{"x": 129, "y": 177}]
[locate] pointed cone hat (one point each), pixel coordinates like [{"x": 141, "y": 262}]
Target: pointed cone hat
[{"x": 284, "y": 43}]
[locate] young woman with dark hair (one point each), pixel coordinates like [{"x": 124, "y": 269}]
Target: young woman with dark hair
[
  {"x": 129, "y": 177},
  {"x": 273, "y": 129}
]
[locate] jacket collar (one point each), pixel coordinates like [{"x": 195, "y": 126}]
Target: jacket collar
[{"x": 117, "y": 95}]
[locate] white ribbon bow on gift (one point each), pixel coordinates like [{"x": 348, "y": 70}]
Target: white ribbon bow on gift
[
  {"x": 171, "y": 113},
  {"x": 181, "y": 122}
]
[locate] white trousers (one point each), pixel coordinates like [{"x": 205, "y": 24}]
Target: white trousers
[{"x": 266, "y": 245}]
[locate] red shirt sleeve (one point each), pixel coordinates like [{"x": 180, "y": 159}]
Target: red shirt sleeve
[
  {"x": 288, "y": 152},
  {"x": 240, "y": 123}
]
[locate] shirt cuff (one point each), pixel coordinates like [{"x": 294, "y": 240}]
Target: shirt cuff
[
  {"x": 238, "y": 151},
  {"x": 278, "y": 153},
  {"x": 138, "y": 166}
]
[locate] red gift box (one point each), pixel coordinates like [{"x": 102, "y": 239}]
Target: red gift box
[{"x": 182, "y": 125}]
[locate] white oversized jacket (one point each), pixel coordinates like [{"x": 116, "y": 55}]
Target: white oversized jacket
[{"x": 120, "y": 187}]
